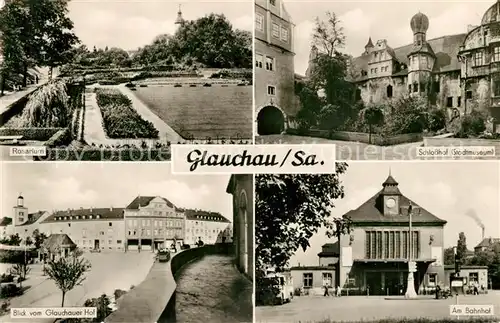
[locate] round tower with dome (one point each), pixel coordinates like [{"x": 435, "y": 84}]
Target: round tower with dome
[{"x": 421, "y": 57}]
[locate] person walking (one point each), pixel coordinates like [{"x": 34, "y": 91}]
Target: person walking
[
  {"x": 339, "y": 291},
  {"x": 327, "y": 293}
]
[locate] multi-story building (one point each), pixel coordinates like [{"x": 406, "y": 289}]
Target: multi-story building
[
  {"x": 147, "y": 223},
  {"x": 374, "y": 258},
  {"x": 209, "y": 227},
  {"x": 274, "y": 67},
  {"x": 153, "y": 222},
  {"x": 457, "y": 73},
  {"x": 241, "y": 187}
]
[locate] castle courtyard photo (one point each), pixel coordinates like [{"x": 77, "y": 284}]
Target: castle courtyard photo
[
  {"x": 342, "y": 73},
  {"x": 133, "y": 240},
  {"x": 378, "y": 241}
]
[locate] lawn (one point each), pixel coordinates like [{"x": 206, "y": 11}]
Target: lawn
[{"x": 201, "y": 112}]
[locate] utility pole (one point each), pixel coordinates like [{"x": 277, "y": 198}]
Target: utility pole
[{"x": 410, "y": 287}]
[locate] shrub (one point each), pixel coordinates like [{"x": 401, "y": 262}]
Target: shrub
[
  {"x": 437, "y": 120},
  {"x": 10, "y": 290},
  {"x": 408, "y": 115},
  {"x": 119, "y": 293},
  {"x": 265, "y": 291},
  {"x": 6, "y": 278},
  {"x": 120, "y": 118},
  {"x": 472, "y": 125},
  {"x": 185, "y": 246},
  {"x": 60, "y": 138},
  {"x": 4, "y": 308}
]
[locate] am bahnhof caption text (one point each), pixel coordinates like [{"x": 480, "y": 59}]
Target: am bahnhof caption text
[{"x": 53, "y": 312}]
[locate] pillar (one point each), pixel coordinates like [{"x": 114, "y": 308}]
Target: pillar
[{"x": 139, "y": 246}]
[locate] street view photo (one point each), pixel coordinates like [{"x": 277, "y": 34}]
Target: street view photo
[
  {"x": 123, "y": 80},
  {"x": 379, "y": 242},
  {"x": 379, "y": 81},
  {"x": 131, "y": 240}
]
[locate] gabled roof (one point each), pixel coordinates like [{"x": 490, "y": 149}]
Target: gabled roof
[
  {"x": 83, "y": 215},
  {"x": 446, "y": 49},
  {"x": 330, "y": 250},
  {"x": 369, "y": 212},
  {"x": 58, "y": 240},
  {"x": 201, "y": 215},
  {"x": 33, "y": 217},
  {"x": 141, "y": 201},
  {"x": 488, "y": 242},
  {"x": 5, "y": 221}
]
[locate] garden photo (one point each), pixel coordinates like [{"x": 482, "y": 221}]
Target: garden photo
[{"x": 125, "y": 87}]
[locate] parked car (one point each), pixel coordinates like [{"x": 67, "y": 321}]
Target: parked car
[{"x": 95, "y": 250}]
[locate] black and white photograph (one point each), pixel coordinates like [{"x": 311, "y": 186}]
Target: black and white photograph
[
  {"x": 380, "y": 80},
  {"x": 379, "y": 242},
  {"x": 130, "y": 239},
  {"x": 123, "y": 80}
]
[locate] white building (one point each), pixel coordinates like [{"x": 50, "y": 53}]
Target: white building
[{"x": 210, "y": 227}]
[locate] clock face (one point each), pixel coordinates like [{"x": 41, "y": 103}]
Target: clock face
[{"x": 390, "y": 203}]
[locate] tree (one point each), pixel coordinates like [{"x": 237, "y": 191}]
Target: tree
[
  {"x": 461, "y": 247},
  {"x": 67, "y": 272},
  {"x": 14, "y": 240},
  {"x": 38, "y": 238},
  {"x": 291, "y": 209},
  {"x": 408, "y": 115},
  {"x": 102, "y": 304},
  {"x": 449, "y": 256},
  {"x": 372, "y": 116},
  {"x": 28, "y": 241}
]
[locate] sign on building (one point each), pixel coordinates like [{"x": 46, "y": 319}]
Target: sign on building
[{"x": 347, "y": 256}]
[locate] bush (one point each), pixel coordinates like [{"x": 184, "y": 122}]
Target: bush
[
  {"x": 60, "y": 138},
  {"x": 185, "y": 247},
  {"x": 472, "y": 125},
  {"x": 265, "y": 291},
  {"x": 6, "y": 278},
  {"x": 119, "y": 293},
  {"x": 120, "y": 118},
  {"x": 10, "y": 290},
  {"x": 437, "y": 120},
  {"x": 409, "y": 115}
]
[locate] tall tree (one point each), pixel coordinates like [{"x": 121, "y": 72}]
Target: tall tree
[
  {"x": 372, "y": 116},
  {"x": 461, "y": 247},
  {"x": 67, "y": 273},
  {"x": 291, "y": 208}
]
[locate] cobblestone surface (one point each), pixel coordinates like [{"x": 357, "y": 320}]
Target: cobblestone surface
[{"x": 212, "y": 290}]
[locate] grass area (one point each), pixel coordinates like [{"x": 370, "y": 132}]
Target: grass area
[
  {"x": 119, "y": 117},
  {"x": 202, "y": 112}
]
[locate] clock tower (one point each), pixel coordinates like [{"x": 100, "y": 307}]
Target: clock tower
[{"x": 389, "y": 197}]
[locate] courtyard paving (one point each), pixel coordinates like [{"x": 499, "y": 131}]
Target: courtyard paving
[
  {"x": 110, "y": 271},
  {"x": 361, "y": 308}
]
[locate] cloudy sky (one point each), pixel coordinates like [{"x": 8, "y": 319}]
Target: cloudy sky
[
  {"x": 49, "y": 186},
  {"x": 381, "y": 20},
  {"x": 446, "y": 189},
  {"x": 130, "y": 24}
]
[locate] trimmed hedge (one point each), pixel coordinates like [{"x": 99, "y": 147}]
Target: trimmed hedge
[
  {"x": 60, "y": 138},
  {"x": 40, "y": 134},
  {"x": 97, "y": 154},
  {"x": 120, "y": 118}
]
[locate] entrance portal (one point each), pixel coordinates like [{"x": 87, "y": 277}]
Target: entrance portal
[
  {"x": 270, "y": 121},
  {"x": 96, "y": 244}
]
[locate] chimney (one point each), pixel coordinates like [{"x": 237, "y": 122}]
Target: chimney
[
  {"x": 482, "y": 236},
  {"x": 111, "y": 208}
]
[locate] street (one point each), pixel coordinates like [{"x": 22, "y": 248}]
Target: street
[
  {"x": 110, "y": 271},
  {"x": 358, "y": 308}
]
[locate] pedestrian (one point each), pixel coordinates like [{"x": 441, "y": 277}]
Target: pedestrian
[
  {"x": 438, "y": 290},
  {"x": 326, "y": 291},
  {"x": 339, "y": 291}
]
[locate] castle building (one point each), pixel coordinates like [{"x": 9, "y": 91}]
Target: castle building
[
  {"x": 147, "y": 223},
  {"x": 241, "y": 188},
  {"x": 274, "y": 67},
  {"x": 457, "y": 73}
]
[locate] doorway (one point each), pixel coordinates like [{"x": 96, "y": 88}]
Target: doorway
[
  {"x": 96, "y": 244},
  {"x": 270, "y": 121}
]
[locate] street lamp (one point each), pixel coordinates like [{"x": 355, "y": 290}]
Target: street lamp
[{"x": 412, "y": 266}]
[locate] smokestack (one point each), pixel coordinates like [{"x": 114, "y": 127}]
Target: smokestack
[
  {"x": 472, "y": 214},
  {"x": 482, "y": 236}
]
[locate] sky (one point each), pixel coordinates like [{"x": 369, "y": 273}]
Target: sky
[
  {"x": 449, "y": 190},
  {"x": 380, "y": 20},
  {"x": 59, "y": 186},
  {"x": 129, "y": 24}
]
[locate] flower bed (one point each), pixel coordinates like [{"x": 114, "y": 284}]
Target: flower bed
[{"x": 119, "y": 117}]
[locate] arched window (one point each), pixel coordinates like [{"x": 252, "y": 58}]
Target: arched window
[{"x": 389, "y": 91}]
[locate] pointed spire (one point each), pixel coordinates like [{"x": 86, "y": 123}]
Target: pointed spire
[
  {"x": 370, "y": 43},
  {"x": 179, "y": 20}
]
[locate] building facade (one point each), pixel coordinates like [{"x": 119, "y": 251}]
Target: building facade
[
  {"x": 241, "y": 188},
  {"x": 457, "y": 73},
  {"x": 374, "y": 257},
  {"x": 274, "y": 67},
  {"x": 147, "y": 223}
]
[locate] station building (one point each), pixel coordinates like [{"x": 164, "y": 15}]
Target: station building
[{"x": 147, "y": 223}]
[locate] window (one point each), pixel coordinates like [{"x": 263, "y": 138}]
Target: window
[
  {"x": 386, "y": 244},
  {"x": 110, "y": 224},
  {"x": 269, "y": 63},
  {"x": 258, "y": 60},
  {"x": 468, "y": 95},
  {"x": 271, "y": 90},
  {"x": 276, "y": 30},
  {"x": 69, "y": 224},
  {"x": 459, "y": 101},
  {"x": 432, "y": 279},
  {"x": 496, "y": 54},
  {"x": 415, "y": 87},
  {"x": 101, "y": 233},
  {"x": 376, "y": 70},
  {"x": 496, "y": 87},
  {"x": 449, "y": 102},
  {"x": 259, "y": 22},
  {"x": 308, "y": 280},
  {"x": 478, "y": 59},
  {"x": 397, "y": 244},
  {"x": 110, "y": 241},
  {"x": 473, "y": 277},
  {"x": 405, "y": 244},
  {"x": 422, "y": 87},
  {"x": 436, "y": 87},
  {"x": 409, "y": 88},
  {"x": 391, "y": 245},
  {"x": 389, "y": 91},
  {"x": 327, "y": 279},
  {"x": 284, "y": 34},
  {"x": 358, "y": 94}
]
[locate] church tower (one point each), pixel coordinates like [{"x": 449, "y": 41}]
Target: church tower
[
  {"x": 369, "y": 47},
  {"x": 20, "y": 212},
  {"x": 179, "y": 21},
  {"x": 421, "y": 57},
  {"x": 389, "y": 203}
]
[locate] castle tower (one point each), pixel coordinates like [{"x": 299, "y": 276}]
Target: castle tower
[
  {"x": 369, "y": 46},
  {"x": 421, "y": 57},
  {"x": 179, "y": 20},
  {"x": 20, "y": 212}
]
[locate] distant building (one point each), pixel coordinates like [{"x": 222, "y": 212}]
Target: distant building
[
  {"x": 56, "y": 246},
  {"x": 241, "y": 187},
  {"x": 472, "y": 275},
  {"x": 147, "y": 223},
  {"x": 274, "y": 67},
  {"x": 487, "y": 244}
]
